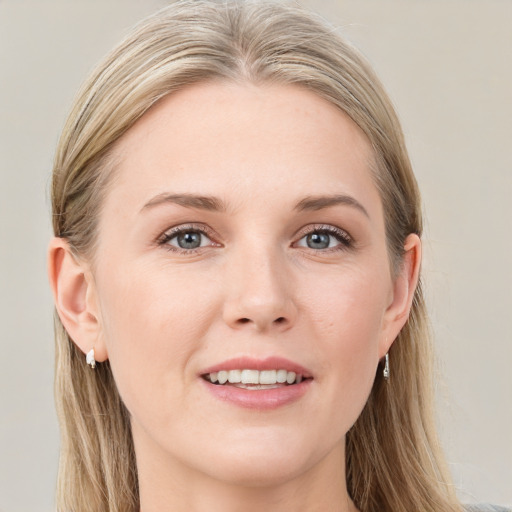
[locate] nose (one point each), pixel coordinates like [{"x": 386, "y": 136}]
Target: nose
[{"x": 259, "y": 293}]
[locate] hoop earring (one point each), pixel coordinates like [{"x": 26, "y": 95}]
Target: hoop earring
[
  {"x": 386, "y": 367},
  {"x": 89, "y": 358}
]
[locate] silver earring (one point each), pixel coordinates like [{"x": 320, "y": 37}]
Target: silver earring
[
  {"x": 386, "y": 367},
  {"x": 89, "y": 358}
]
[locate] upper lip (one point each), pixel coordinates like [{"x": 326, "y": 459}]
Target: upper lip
[{"x": 251, "y": 363}]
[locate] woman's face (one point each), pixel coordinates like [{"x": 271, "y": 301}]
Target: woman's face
[{"x": 243, "y": 231}]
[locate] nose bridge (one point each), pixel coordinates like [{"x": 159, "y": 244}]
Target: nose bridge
[{"x": 259, "y": 289}]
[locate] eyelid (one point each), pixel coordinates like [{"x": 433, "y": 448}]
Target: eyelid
[
  {"x": 346, "y": 241},
  {"x": 172, "y": 232},
  {"x": 344, "y": 237}
]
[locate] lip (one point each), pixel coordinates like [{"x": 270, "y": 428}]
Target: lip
[
  {"x": 250, "y": 363},
  {"x": 260, "y": 399}
]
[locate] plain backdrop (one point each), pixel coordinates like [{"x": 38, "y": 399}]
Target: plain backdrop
[{"x": 448, "y": 67}]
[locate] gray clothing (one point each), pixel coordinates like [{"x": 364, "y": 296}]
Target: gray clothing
[{"x": 485, "y": 507}]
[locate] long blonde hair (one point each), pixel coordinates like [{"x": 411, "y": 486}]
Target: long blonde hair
[{"x": 393, "y": 459}]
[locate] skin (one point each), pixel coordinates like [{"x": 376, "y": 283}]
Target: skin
[{"x": 254, "y": 288}]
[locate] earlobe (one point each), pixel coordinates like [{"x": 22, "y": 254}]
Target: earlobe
[
  {"x": 73, "y": 294},
  {"x": 404, "y": 287}
]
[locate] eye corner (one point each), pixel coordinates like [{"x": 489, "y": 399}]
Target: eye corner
[
  {"x": 343, "y": 239},
  {"x": 197, "y": 245}
]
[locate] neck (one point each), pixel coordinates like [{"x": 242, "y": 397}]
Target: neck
[{"x": 167, "y": 485}]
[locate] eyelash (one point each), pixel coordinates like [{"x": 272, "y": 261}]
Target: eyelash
[
  {"x": 345, "y": 240},
  {"x": 174, "y": 232}
]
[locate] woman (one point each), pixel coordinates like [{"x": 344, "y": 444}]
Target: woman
[{"x": 236, "y": 276}]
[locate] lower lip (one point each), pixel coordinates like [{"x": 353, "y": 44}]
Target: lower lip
[{"x": 262, "y": 399}]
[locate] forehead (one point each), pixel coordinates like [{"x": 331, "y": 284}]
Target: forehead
[{"x": 244, "y": 140}]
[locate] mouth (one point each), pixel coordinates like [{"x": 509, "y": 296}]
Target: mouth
[
  {"x": 261, "y": 384},
  {"x": 255, "y": 379}
]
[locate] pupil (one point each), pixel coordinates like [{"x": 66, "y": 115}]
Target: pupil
[
  {"x": 189, "y": 240},
  {"x": 318, "y": 241}
]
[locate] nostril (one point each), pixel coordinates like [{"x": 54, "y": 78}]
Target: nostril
[{"x": 278, "y": 321}]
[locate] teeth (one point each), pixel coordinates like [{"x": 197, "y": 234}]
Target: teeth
[
  {"x": 255, "y": 379},
  {"x": 250, "y": 377},
  {"x": 235, "y": 376},
  {"x": 254, "y": 387},
  {"x": 281, "y": 376},
  {"x": 268, "y": 377}
]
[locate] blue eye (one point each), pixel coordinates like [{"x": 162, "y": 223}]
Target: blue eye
[
  {"x": 186, "y": 239},
  {"x": 189, "y": 240},
  {"x": 319, "y": 240},
  {"x": 325, "y": 238}
]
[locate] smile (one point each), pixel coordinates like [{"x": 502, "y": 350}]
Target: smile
[
  {"x": 254, "y": 379},
  {"x": 253, "y": 383}
]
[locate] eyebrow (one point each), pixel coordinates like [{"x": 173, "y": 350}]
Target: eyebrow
[
  {"x": 321, "y": 202},
  {"x": 211, "y": 203}
]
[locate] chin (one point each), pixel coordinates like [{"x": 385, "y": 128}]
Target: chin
[
  {"x": 264, "y": 472},
  {"x": 264, "y": 462}
]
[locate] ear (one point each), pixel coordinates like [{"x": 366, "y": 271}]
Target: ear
[
  {"x": 404, "y": 286},
  {"x": 74, "y": 295}
]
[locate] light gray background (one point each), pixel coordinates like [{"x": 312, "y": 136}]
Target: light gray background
[{"x": 448, "y": 67}]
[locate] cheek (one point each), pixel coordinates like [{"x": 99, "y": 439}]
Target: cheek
[
  {"x": 348, "y": 307},
  {"x": 152, "y": 322},
  {"x": 347, "y": 319}
]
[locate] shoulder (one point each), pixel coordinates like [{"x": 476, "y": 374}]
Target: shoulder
[{"x": 485, "y": 508}]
